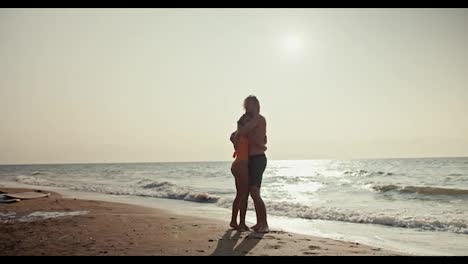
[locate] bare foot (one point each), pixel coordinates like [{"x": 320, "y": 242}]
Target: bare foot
[
  {"x": 242, "y": 228},
  {"x": 262, "y": 229},
  {"x": 255, "y": 227},
  {"x": 234, "y": 225}
]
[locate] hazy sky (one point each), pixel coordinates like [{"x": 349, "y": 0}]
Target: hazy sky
[{"x": 138, "y": 85}]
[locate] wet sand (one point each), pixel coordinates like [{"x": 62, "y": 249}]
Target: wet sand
[{"x": 121, "y": 229}]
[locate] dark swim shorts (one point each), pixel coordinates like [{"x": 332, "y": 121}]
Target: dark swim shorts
[{"x": 257, "y": 165}]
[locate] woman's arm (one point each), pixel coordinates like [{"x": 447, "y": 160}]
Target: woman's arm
[{"x": 233, "y": 137}]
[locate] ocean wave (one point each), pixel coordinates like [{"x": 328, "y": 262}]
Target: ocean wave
[
  {"x": 108, "y": 171},
  {"x": 157, "y": 185},
  {"x": 145, "y": 188},
  {"x": 30, "y": 180},
  {"x": 281, "y": 179},
  {"x": 356, "y": 172},
  {"x": 368, "y": 173},
  {"x": 6, "y": 217},
  {"x": 38, "y": 215},
  {"x": 381, "y": 173},
  {"x": 336, "y": 214},
  {"x": 426, "y": 190}
]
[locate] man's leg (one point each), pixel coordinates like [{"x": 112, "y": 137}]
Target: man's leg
[{"x": 262, "y": 224}]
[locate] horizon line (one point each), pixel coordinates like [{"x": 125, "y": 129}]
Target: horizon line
[{"x": 207, "y": 161}]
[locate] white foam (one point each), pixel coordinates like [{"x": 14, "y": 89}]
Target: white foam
[
  {"x": 145, "y": 188},
  {"x": 432, "y": 223},
  {"x": 425, "y": 190},
  {"x": 37, "y": 216},
  {"x": 6, "y": 217}
]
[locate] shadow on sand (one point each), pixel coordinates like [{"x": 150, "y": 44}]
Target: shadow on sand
[{"x": 227, "y": 244}]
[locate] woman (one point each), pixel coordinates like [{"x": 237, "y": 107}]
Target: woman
[
  {"x": 240, "y": 170},
  {"x": 255, "y": 131}
]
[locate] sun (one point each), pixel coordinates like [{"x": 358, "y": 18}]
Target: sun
[{"x": 292, "y": 43}]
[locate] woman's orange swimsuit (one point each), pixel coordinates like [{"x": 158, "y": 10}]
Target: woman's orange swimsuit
[{"x": 242, "y": 149}]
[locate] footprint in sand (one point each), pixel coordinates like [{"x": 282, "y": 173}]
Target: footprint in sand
[
  {"x": 272, "y": 247},
  {"x": 309, "y": 253},
  {"x": 314, "y": 247}
]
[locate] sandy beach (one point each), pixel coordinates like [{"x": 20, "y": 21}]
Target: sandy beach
[{"x": 103, "y": 228}]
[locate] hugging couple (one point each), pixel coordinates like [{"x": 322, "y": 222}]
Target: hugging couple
[{"x": 250, "y": 162}]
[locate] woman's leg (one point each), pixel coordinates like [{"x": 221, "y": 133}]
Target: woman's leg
[
  {"x": 243, "y": 193},
  {"x": 235, "y": 210},
  {"x": 235, "y": 203}
]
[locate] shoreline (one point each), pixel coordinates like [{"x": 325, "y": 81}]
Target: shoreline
[{"x": 110, "y": 228}]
